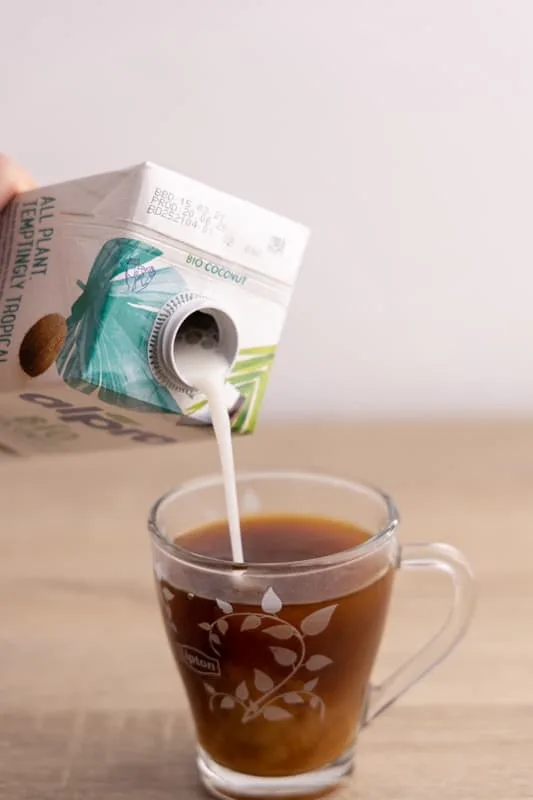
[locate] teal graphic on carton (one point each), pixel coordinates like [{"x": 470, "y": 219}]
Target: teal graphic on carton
[
  {"x": 108, "y": 331},
  {"x": 105, "y": 350}
]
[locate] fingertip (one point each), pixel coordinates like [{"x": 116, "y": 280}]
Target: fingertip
[{"x": 13, "y": 179}]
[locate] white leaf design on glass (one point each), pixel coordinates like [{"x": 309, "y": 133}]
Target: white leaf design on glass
[
  {"x": 242, "y": 692},
  {"x": 280, "y": 631},
  {"x": 283, "y": 656},
  {"x": 168, "y": 612},
  {"x": 167, "y": 594},
  {"x": 227, "y": 608},
  {"x": 293, "y": 698},
  {"x": 205, "y": 626},
  {"x": 271, "y": 603},
  {"x": 310, "y": 685},
  {"x": 250, "y": 622},
  {"x": 275, "y": 713},
  {"x": 222, "y": 625},
  {"x": 262, "y": 681},
  {"x": 209, "y": 689},
  {"x": 250, "y": 503},
  {"x": 158, "y": 569},
  {"x": 315, "y": 702},
  {"x": 227, "y": 702},
  {"x": 318, "y": 662},
  {"x": 215, "y": 638},
  {"x": 318, "y": 621}
]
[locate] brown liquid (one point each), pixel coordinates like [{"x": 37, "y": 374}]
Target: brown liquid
[{"x": 277, "y": 692}]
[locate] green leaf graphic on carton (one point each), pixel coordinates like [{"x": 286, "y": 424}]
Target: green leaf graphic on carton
[
  {"x": 250, "y": 375},
  {"x": 196, "y": 407},
  {"x": 105, "y": 349}
]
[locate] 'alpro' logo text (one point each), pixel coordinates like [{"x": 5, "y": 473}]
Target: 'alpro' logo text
[{"x": 94, "y": 417}]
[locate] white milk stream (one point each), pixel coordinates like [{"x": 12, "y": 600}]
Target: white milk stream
[{"x": 203, "y": 366}]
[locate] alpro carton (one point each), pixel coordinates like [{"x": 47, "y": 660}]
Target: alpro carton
[{"x": 96, "y": 277}]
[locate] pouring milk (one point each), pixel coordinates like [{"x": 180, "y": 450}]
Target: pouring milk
[{"x": 202, "y": 364}]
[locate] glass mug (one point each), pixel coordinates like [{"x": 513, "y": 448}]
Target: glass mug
[{"x": 276, "y": 658}]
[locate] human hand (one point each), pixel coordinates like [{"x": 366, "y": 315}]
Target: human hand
[{"x": 13, "y": 180}]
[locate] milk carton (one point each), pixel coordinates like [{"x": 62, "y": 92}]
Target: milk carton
[{"x": 96, "y": 277}]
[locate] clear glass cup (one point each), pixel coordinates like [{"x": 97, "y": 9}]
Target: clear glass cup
[{"x": 276, "y": 658}]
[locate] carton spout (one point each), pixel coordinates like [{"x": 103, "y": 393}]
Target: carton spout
[{"x": 195, "y": 319}]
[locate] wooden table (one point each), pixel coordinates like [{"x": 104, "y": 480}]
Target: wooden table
[{"x": 91, "y": 707}]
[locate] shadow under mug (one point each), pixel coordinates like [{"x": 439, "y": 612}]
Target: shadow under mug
[{"x": 276, "y": 658}]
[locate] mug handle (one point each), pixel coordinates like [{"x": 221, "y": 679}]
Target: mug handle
[{"x": 445, "y": 558}]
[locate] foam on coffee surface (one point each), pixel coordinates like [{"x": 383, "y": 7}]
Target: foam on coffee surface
[{"x": 246, "y": 585}]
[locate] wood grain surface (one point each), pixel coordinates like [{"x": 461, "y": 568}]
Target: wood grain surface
[{"x": 91, "y": 706}]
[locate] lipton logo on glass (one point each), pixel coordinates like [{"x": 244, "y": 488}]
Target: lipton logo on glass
[
  {"x": 95, "y": 418},
  {"x": 197, "y": 660}
]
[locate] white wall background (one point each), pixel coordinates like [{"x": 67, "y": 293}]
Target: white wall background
[{"x": 400, "y": 131}]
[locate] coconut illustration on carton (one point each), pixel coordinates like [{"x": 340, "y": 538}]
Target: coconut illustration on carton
[{"x": 42, "y": 344}]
